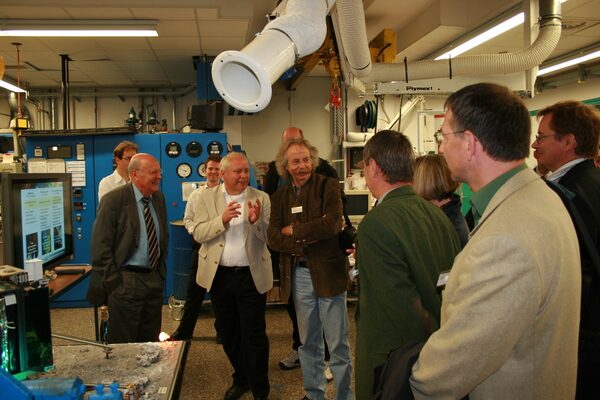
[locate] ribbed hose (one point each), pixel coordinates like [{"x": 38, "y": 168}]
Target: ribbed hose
[
  {"x": 483, "y": 64},
  {"x": 353, "y": 30},
  {"x": 304, "y": 23}
]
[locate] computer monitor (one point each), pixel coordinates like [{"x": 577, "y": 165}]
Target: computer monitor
[
  {"x": 358, "y": 203},
  {"x": 36, "y": 218}
]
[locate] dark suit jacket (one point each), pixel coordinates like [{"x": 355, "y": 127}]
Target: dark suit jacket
[
  {"x": 583, "y": 180},
  {"x": 116, "y": 235}
]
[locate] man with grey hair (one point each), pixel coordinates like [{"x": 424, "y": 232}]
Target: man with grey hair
[
  {"x": 306, "y": 217},
  {"x": 129, "y": 248},
  {"x": 234, "y": 265},
  {"x": 274, "y": 181}
]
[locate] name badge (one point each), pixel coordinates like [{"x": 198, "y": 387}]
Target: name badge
[
  {"x": 296, "y": 210},
  {"x": 443, "y": 278}
]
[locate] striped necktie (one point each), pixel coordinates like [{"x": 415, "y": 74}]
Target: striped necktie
[{"x": 153, "y": 250}]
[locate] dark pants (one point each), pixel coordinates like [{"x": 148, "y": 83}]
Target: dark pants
[
  {"x": 193, "y": 301},
  {"x": 240, "y": 312},
  {"x": 588, "y": 369},
  {"x": 135, "y": 308}
]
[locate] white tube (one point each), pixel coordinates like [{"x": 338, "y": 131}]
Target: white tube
[
  {"x": 359, "y": 136},
  {"x": 244, "y": 78},
  {"x": 477, "y": 64},
  {"x": 353, "y": 30}
]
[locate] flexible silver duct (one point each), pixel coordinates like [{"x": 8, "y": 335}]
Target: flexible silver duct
[
  {"x": 485, "y": 64},
  {"x": 353, "y": 30}
]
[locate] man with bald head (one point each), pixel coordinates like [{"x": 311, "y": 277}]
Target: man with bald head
[{"x": 129, "y": 248}]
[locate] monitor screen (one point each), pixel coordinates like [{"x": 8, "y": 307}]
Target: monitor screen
[
  {"x": 36, "y": 218},
  {"x": 358, "y": 202}
]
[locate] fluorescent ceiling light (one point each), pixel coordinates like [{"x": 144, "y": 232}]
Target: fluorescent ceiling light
[
  {"x": 78, "y": 28},
  {"x": 79, "y": 33},
  {"x": 491, "y": 33},
  {"x": 11, "y": 87},
  {"x": 485, "y": 36},
  {"x": 568, "y": 63}
]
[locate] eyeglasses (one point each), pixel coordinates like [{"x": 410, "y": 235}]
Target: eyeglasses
[
  {"x": 126, "y": 158},
  {"x": 539, "y": 138},
  {"x": 440, "y": 137}
]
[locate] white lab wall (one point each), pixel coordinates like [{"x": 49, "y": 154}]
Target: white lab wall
[
  {"x": 590, "y": 89},
  {"x": 305, "y": 107}
]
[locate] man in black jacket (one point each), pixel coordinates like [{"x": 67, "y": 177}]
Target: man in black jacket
[
  {"x": 272, "y": 182},
  {"x": 567, "y": 143}
]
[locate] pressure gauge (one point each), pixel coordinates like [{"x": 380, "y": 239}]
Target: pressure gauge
[
  {"x": 184, "y": 170},
  {"x": 215, "y": 147},
  {"x": 202, "y": 170},
  {"x": 173, "y": 149},
  {"x": 193, "y": 149}
]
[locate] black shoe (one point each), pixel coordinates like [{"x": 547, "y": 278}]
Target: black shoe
[{"x": 236, "y": 391}]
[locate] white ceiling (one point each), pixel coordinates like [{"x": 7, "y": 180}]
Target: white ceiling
[{"x": 190, "y": 28}]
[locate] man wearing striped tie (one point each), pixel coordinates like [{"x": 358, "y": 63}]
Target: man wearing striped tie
[{"x": 129, "y": 246}]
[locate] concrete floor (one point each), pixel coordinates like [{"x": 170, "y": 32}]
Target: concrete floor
[{"x": 207, "y": 373}]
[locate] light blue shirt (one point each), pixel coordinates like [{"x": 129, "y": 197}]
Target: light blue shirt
[{"x": 140, "y": 256}]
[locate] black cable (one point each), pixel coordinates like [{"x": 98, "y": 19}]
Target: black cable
[
  {"x": 381, "y": 51},
  {"x": 400, "y": 112}
]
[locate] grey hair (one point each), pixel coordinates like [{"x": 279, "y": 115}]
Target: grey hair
[
  {"x": 226, "y": 161},
  {"x": 281, "y": 161}
]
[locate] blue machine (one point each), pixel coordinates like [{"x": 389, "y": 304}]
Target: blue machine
[
  {"x": 41, "y": 389},
  {"x": 181, "y": 157}
]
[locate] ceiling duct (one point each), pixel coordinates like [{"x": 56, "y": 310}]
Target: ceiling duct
[
  {"x": 244, "y": 78},
  {"x": 483, "y": 64}
]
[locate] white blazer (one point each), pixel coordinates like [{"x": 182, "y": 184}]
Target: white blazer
[{"x": 210, "y": 232}]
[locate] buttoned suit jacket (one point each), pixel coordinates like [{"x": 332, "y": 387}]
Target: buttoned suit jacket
[
  {"x": 116, "y": 236},
  {"x": 510, "y": 310},
  {"x": 210, "y": 233}
]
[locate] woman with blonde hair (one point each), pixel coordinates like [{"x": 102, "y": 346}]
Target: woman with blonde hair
[{"x": 433, "y": 181}]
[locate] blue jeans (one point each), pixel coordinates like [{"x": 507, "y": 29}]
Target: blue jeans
[{"x": 315, "y": 316}]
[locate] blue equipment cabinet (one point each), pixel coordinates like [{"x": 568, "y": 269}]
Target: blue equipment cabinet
[{"x": 178, "y": 154}]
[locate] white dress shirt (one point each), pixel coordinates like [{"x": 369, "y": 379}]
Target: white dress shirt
[
  {"x": 562, "y": 171},
  {"x": 109, "y": 183},
  {"x": 234, "y": 251}
]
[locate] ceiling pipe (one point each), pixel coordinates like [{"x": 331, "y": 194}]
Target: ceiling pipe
[
  {"x": 484, "y": 64},
  {"x": 106, "y": 92},
  {"x": 353, "y": 29},
  {"x": 244, "y": 78},
  {"x": 64, "y": 58}
]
